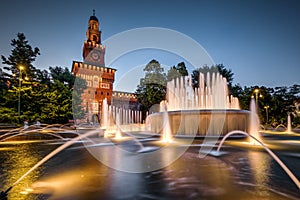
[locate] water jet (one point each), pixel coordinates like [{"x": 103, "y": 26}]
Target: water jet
[
  {"x": 50, "y": 155},
  {"x": 204, "y": 111},
  {"x": 282, "y": 165}
]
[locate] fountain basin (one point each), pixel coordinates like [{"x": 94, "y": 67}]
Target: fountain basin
[
  {"x": 237, "y": 175},
  {"x": 201, "y": 122},
  {"x": 280, "y": 135}
]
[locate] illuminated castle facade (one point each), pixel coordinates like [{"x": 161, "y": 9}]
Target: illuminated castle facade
[{"x": 98, "y": 77}]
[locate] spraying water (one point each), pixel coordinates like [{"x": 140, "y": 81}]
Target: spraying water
[
  {"x": 167, "y": 133},
  {"x": 118, "y": 129},
  {"x": 28, "y": 133},
  {"x": 282, "y": 165},
  {"x": 254, "y": 123},
  {"x": 182, "y": 96},
  {"x": 104, "y": 120},
  {"x": 53, "y": 153}
]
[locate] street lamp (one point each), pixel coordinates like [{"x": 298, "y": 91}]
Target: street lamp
[
  {"x": 19, "y": 102},
  {"x": 256, "y": 92},
  {"x": 267, "y": 114}
]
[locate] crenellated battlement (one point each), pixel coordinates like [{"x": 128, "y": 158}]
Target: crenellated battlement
[
  {"x": 93, "y": 45},
  {"x": 81, "y": 67},
  {"x": 124, "y": 95}
]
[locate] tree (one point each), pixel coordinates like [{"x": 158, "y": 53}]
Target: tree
[
  {"x": 178, "y": 71},
  {"x": 63, "y": 75},
  {"x": 21, "y": 55},
  {"x": 56, "y": 105},
  {"x": 47, "y": 96},
  {"x": 219, "y": 68},
  {"x": 152, "y": 88},
  {"x": 226, "y": 73},
  {"x": 78, "y": 89}
]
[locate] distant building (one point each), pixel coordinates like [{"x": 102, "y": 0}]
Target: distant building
[{"x": 99, "y": 78}]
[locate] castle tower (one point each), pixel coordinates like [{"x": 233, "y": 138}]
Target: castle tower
[
  {"x": 93, "y": 51},
  {"x": 99, "y": 79}
]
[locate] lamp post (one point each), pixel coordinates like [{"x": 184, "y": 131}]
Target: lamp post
[
  {"x": 267, "y": 114},
  {"x": 19, "y": 90},
  {"x": 257, "y": 94}
]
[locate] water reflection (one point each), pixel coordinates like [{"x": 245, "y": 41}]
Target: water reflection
[
  {"x": 75, "y": 174},
  {"x": 15, "y": 162},
  {"x": 260, "y": 165}
]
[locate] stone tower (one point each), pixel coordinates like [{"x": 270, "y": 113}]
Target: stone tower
[
  {"x": 93, "y": 51},
  {"x": 99, "y": 78}
]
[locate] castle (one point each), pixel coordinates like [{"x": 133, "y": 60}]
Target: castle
[{"x": 98, "y": 77}]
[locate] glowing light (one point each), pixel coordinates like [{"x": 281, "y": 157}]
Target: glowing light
[
  {"x": 254, "y": 124},
  {"x": 167, "y": 133},
  {"x": 29, "y": 190}
]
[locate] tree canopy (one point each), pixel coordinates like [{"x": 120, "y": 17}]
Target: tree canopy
[
  {"x": 152, "y": 88},
  {"x": 177, "y": 71},
  {"x": 44, "y": 95}
]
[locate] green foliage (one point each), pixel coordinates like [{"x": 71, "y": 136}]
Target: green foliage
[
  {"x": 62, "y": 75},
  {"x": 152, "y": 88},
  {"x": 23, "y": 55},
  {"x": 178, "y": 71},
  {"x": 276, "y": 103},
  {"x": 79, "y": 87},
  {"x": 47, "y": 96},
  {"x": 219, "y": 68},
  {"x": 8, "y": 115}
]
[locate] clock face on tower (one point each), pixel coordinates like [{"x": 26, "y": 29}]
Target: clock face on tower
[{"x": 95, "y": 55}]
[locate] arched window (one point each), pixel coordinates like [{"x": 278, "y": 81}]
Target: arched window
[
  {"x": 96, "y": 82},
  {"x": 95, "y": 38}
]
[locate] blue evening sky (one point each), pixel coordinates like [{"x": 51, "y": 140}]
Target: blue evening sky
[{"x": 258, "y": 40}]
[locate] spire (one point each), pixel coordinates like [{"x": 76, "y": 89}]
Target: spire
[{"x": 93, "y": 17}]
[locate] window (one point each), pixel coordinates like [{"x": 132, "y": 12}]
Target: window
[
  {"x": 96, "y": 81},
  {"x": 94, "y": 38},
  {"x": 89, "y": 83},
  {"x": 104, "y": 85}
]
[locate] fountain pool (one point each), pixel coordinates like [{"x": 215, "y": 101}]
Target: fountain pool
[
  {"x": 163, "y": 167},
  {"x": 75, "y": 174},
  {"x": 203, "y": 111}
]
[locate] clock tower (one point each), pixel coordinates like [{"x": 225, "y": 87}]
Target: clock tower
[
  {"x": 98, "y": 78},
  {"x": 93, "y": 51}
]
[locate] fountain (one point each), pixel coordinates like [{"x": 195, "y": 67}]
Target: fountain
[
  {"x": 255, "y": 140},
  {"x": 166, "y": 134},
  {"x": 104, "y": 119},
  {"x": 193, "y": 112},
  {"x": 203, "y": 111},
  {"x": 282, "y": 132},
  {"x": 33, "y": 133},
  {"x": 118, "y": 134},
  {"x": 259, "y": 142},
  {"x": 3, "y": 194},
  {"x": 188, "y": 177},
  {"x": 254, "y": 123}
]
